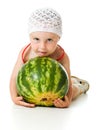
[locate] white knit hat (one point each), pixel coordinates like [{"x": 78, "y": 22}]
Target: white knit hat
[{"x": 46, "y": 20}]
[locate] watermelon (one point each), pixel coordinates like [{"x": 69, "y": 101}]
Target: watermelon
[{"x": 41, "y": 80}]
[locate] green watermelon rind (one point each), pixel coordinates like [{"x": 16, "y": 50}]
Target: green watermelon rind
[{"x": 45, "y": 90}]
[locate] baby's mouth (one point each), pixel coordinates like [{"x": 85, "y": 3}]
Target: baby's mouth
[{"x": 42, "y": 53}]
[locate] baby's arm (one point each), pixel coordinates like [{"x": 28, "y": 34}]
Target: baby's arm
[
  {"x": 13, "y": 91},
  {"x": 68, "y": 98}
]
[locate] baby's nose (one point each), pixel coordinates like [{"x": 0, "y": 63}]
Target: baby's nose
[{"x": 42, "y": 45}]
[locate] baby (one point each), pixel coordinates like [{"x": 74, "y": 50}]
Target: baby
[{"x": 45, "y": 30}]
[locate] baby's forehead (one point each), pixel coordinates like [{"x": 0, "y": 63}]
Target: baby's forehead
[{"x": 41, "y": 34}]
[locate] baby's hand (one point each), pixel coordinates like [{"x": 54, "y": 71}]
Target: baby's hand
[
  {"x": 62, "y": 104},
  {"x": 19, "y": 101}
]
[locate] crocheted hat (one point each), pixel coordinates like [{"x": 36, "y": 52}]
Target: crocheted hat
[{"x": 46, "y": 20}]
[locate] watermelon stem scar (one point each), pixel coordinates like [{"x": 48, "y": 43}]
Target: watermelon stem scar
[{"x": 43, "y": 99}]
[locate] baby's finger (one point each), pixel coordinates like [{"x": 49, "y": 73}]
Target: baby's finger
[{"x": 59, "y": 103}]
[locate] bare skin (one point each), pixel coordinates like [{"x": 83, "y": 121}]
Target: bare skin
[{"x": 42, "y": 44}]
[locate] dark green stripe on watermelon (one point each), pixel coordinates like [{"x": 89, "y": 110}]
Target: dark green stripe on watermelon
[{"x": 42, "y": 80}]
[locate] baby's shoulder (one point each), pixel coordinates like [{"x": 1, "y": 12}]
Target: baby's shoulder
[
  {"x": 61, "y": 52},
  {"x": 64, "y": 55},
  {"x": 25, "y": 51}
]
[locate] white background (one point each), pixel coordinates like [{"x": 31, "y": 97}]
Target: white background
[{"x": 79, "y": 39}]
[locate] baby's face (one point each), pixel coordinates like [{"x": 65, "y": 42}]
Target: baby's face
[{"x": 43, "y": 43}]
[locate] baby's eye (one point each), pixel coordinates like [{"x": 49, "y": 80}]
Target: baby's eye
[
  {"x": 49, "y": 39},
  {"x": 36, "y": 39}
]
